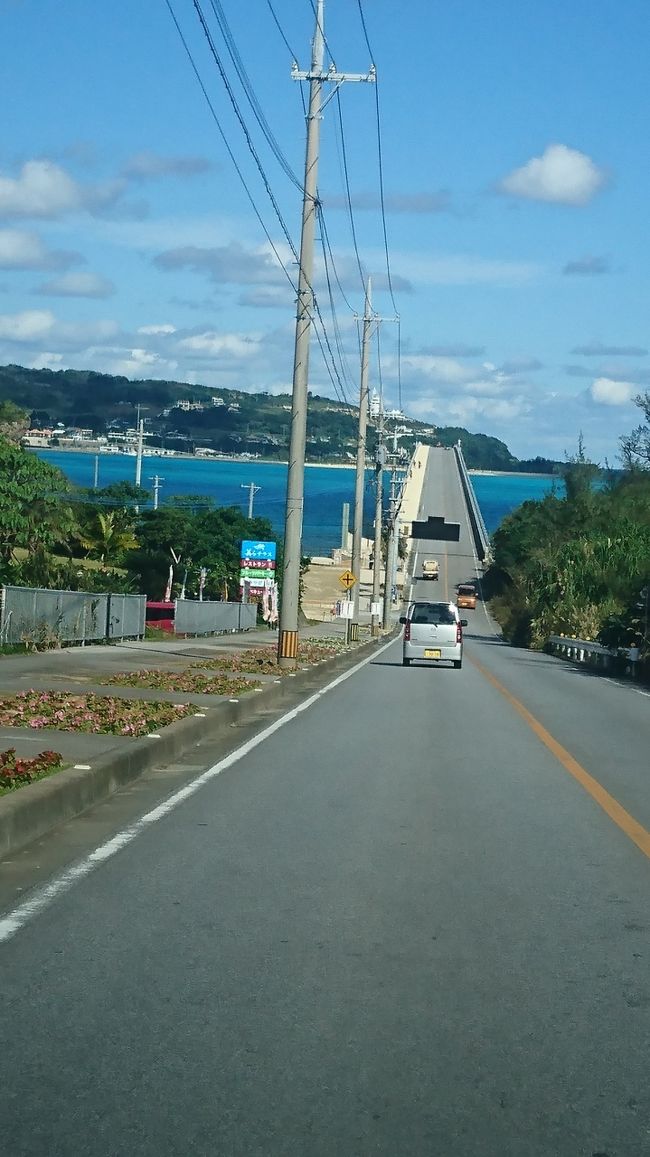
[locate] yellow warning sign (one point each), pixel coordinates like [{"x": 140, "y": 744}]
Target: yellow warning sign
[{"x": 347, "y": 579}]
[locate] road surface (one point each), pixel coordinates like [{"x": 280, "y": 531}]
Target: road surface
[{"x": 409, "y": 922}]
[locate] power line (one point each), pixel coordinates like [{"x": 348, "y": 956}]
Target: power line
[
  {"x": 347, "y": 191},
  {"x": 243, "y": 125},
  {"x": 280, "y": 30},
  {"x": 250, "y": 94},
  {"x": 383, "y": 205},
  {"x": 228, "y": 148},
  {"x": 325, "y": 234}
]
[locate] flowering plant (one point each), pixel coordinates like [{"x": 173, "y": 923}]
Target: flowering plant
[
  {"x": 16, "y": 772},
  {"x": 93, "y": 713}
]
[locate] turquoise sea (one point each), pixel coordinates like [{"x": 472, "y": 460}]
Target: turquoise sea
[{"x": 326, "y": 488}]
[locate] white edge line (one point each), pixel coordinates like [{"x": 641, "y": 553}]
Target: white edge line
[{"x": 17, "y": 918}]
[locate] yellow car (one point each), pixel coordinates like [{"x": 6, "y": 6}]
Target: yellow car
[{"x": 466, "y": 597}]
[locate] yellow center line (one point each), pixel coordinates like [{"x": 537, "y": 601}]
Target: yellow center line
[{"x": 627, "y": 823}]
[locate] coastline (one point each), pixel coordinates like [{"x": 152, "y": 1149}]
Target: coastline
[{"x": 182, "y": 457}]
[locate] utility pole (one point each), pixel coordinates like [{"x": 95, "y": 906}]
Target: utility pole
[
  {"x": 156, "y": 489},
  {"x": 360, "y": 480},
  {"x": 392, "y": 543},
  {"x": 288, "y": 632},
  {"x": 96, "y": 474},
  {"x": 380, "y": 459},
  {"x": 252, "y": 491},
  {"x": 138, "y": 457}
]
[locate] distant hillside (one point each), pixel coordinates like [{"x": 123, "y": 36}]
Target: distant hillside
[{"x": 230, "y": 421}]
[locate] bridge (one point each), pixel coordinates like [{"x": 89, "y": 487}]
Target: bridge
[{"x": 409, "y": 919}]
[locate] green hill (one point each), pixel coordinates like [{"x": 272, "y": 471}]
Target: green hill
[{"x": 228, "y": 421}]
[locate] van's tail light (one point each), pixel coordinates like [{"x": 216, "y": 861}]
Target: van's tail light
[
  {"x": 407, "y": 630},
  {"x": 459, "y": 633}
]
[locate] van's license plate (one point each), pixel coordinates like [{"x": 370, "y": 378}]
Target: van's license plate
[{"x": 431, "y": 653}]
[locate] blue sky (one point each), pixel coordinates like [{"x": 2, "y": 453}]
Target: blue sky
[{"x": 516, "y": 178}]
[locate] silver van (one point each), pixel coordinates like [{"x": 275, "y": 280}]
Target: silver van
[{"x": 433, "y": 633}]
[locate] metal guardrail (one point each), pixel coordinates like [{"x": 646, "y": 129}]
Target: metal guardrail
[
  {"x": 481, "y": 536},
  {"x": 591, "y": 654}
]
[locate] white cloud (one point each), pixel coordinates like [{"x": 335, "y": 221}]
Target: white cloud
[
  {"x": 31, "y": 325},
  {"x": 231, "y": 264},
  {"x": 44, "y": 189},
  {"x": 215, "y": 345},
  {"x": 561, "y": 175},
  {"x": 463, "y": 269},
  {"x": 149, "y": 166},
  {"x": 21, "y": 249},
  {"x": 608, "y": 392},
  {"x": 36, "y": 325},
  {"x": 77, "y": 285},
  {"x": 436, "y": 369},
  {"x": 155, "y": 330}
]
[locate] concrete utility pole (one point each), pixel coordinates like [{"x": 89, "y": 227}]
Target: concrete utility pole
[
  {"x": 380, "y": 460},
  {"x": 288, "y": 632},
  {"x": 252, "y": 491},
  {"x": 392, "y": 543},
  {"x": 345, "y": 525},
  {"x": 360, "y": 480},
  {"x": 156, "y": 488},
  {"x": 138, "y": 457}
]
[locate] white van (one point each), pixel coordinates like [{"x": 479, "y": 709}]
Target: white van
[{"x": 433, "y": 633}]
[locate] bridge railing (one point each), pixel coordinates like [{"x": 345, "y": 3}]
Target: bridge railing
[{"x": 481, "y": 536}]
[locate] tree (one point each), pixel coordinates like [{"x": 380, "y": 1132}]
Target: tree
[
  {"x": 14, "y": 422},
  {"x": 108, "y": 541},
  {"x": 635, "y": 447},
  {"x": 34, "y": 513}
]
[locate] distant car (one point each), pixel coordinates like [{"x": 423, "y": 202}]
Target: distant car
[
  {"x": 430, "y": 569},
  {"x": 433, "y": 633},
  {"x": 466, "y": 597}
]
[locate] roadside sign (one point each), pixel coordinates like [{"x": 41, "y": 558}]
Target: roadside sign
[{"x": 347, "y": 579}]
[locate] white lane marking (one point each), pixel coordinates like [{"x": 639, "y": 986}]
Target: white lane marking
[{"x": 18, "y": 917}]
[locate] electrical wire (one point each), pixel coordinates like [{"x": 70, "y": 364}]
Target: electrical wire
[
  {"x": 280, "y": 30},
  {"x": 383, "y": 200},
  {"x": 244, "y": 127},
  {"x": 337, "y": 332},
  {"x": 228, "y": 148},
  {"x": 250, "y": 94},
  {"x": 347, "y": 191},
  {"x": 324, "y": 340}
]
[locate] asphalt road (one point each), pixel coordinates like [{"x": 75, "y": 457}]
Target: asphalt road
[{"x": 401, "y": 925}]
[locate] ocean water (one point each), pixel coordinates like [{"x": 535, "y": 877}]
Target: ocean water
[{"x": 326, "y": 488}]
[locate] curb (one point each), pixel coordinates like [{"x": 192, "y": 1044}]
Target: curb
[{"x": 32, "y": 811}]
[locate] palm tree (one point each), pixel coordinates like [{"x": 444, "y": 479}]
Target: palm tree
[{"x": 107, "y": 540}]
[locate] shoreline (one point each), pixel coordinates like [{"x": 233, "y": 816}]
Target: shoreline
[{"x": 183, "y": 457}]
